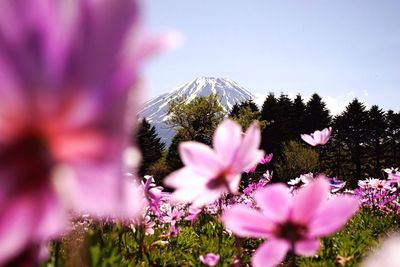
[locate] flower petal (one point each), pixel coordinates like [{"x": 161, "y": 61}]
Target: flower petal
[
  {"x": 308, "y": 139},
  {"x": 332, "y": 215},
  {"x": 307, "y": 248},
  {"x": 270, "y": 253},
  {"x": 308, "y": 199},
  {"x": 248, "y": 154},
  {"x": 185, "y": 177},
  {"x": 200, "y": 157},
  {"x": 226, "y": 140},
  {"x": 275, "y": 202},
  {"x": 17, "y": 225},
  {"x": 246, "y": 222}
]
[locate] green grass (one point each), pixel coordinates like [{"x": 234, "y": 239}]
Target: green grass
[{"x": 115, "y": 245}]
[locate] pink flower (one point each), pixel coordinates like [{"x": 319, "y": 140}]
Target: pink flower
[
  {"x": 290, "y": 223},
  {"x": 393, "y": 174},
  {"x": 251, "y": 169},
  {"x": 318, "y": 137},
  {"x": 210, "y": 259},
  {"x": 65, "y": 71},
  {"x": 267, "y": 159},
  {"x": 193, "y": 213},
  {"x": 209, "y": 173}
]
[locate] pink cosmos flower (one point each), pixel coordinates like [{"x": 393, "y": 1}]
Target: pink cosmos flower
[
  {"x": 393, "y": 174},
  {"x": 210, "y": 259},
  {"x": 291, "y": 223},
  {"x": 65, "y": 71},
  {"x": 267, "y": 159},
  {"x": 318, "y": 137},
  {"x": 193, "y": 213},
  {"x": 251, "y": 169},
  {"x": 209, "y": 173}
]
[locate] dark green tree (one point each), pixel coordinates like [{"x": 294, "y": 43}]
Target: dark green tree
[
  {"x": 238, "y": 106},
  {"x": 353, "y": 130},
  {"x": 149, "y": 144},
  {"x": 375, "y": 139},
  {"x": 297, "y": 116},
  {"x": 392, "y": 145},
  {"x": 173, "y": 160},
  {"x": 317, "y": 116},
  {"x": 246, "y": 113}
]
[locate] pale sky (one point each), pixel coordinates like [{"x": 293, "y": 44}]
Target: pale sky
[{"x": 339, "y": 49}]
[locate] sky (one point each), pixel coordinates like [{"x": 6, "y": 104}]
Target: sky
[{"x": 339, "y": 49}]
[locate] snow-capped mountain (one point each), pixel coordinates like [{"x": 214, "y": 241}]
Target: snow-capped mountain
[{"x": 229, "y": 92}]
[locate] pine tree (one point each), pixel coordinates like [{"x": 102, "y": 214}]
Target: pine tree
[
  {"x": 353, "y": 133},
  {"x": 393, "y": 139},
  {"x": 297, "y": 116},
  {"x": 317, "y": 116},
  {"x": 375, "y": 139},
  {"x": 238, "y": 106},
  {"x": 149, "y": 144}
]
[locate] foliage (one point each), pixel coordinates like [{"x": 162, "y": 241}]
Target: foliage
[
  {"x": 360, "y": 236},
  {"x": 173, "y": 160},
  {"x": 245, "y": 114},
  {"x": 197, "y": 119},
  {"x": 118, "y": 245},
  {"x": 149, "y": 144},
  {"x": 159, "y": 169},
  {"x": 295, "y": 160}
]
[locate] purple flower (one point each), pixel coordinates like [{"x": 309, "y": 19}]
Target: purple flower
[
  {"x": 209, "y": 173},
  {"x": 65, "y": 71},
  {"x": 318, "y": 137},
  {"x": 210, "y": 259},
  {"x": 290, "y": 223}
]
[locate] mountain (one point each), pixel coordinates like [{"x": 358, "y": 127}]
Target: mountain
[{"x": 229, "y": 92}]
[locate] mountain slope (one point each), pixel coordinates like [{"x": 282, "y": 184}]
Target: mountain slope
[{"x": 229, "y": 92}]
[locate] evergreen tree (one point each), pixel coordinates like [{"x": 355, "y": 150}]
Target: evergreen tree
[
  {"x": 246, "y": 113},
  {"x": 245, "y": 104},
  {"x": 297, "y": 116},
  {"x": 149, "y": 144},
  {"x": 393, "y": 139},
  {"x": 375, "y": 138},
  {"x": 317, "y": 116},
  {"x": 270, "y": 135},
  {"x": 353, "y": 131}
]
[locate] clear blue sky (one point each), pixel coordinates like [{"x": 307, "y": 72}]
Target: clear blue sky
[{"x": 340, "y": 49}]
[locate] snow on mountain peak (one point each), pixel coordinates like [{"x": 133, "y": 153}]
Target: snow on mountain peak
[{"x": 229, "y": 92}]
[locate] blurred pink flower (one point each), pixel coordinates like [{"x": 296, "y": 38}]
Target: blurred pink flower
[
  {"x": 318, "y": 137},
  {"x": 290, "y": 223},
  {"x": 251, "y": 169},
  {"x": 193, "y": 213},
  {"x": 393, "y": 174},
  {"x": 267, "y": 159},
  {"x": 65, "y": 71},
  {"x": 209, "y": 173},
  {"x": 210, "y": 259}
]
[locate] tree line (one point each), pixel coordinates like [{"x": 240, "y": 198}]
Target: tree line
[{"x": 364, "y": 140}]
